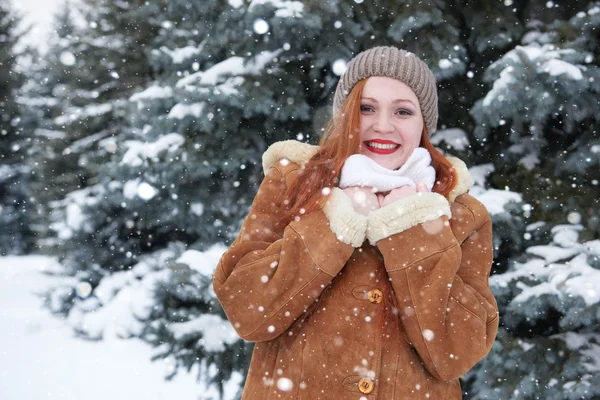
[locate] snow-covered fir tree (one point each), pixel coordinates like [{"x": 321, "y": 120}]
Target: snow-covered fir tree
[
  {"x": 539, "y": 126},
  {"x": 45, "y": 94},
  {"x": 48, "y": 93},
  {"x": 198, "y": 90},
  {"x": 91, "y": 70},
  {"x": 16, "y": 236},
  {"x": 81, "y": 100}
]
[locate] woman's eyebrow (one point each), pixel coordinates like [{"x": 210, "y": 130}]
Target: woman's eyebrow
[
  {"x": 405, "y": 101},
  {"x": 395, "y": 101}
]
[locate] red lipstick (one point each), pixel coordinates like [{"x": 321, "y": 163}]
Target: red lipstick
[{"x": 379, "y": 150}]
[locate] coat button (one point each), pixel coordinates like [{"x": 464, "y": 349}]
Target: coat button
[
  {"x": 365, "y": 385},
  {"x": 375, "y": 296}
]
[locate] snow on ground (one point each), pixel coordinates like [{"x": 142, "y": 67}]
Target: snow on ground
[{"x": 41, "y": 359}]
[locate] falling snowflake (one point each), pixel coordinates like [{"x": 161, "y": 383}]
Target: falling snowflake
[
  {"x": 260, "y": 26},
  {"x": 146, "y": 191},
  {"x": 360, "y": 197},
  {"x": 339, "y": 66},
  {"x": 444, "y": 63},
  {"x": 574, "y": 217},
  {"x": 67, "y": 58},
  {"x": 428, "y": 334},
  {"x": 284, "y": 384},
  {"x": 83, "y": 289}
]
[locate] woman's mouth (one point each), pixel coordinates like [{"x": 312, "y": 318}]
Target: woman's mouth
[{"x": 379, "y": 146}]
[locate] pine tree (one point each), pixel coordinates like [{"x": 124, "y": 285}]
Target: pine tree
[
  {"x": 46, "y": 94},
  {"x": 92, "y": 71},
  {"x": 538, "y": 124},
  {"x": 16, "y": 236}
]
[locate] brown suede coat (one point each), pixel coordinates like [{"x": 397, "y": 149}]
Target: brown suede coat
[{"x": 313, "y": 294}]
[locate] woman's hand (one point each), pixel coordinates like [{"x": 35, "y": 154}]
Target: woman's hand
[
  {"x": 363, "y": 199},
  {"x": 401, "y": 192}
]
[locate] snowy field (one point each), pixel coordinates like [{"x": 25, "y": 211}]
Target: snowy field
[{"x": 40, "y": 359}]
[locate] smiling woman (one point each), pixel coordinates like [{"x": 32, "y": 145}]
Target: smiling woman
[
  {"x": 362, "y": 268},
  {"x": 391, "y": 123}
]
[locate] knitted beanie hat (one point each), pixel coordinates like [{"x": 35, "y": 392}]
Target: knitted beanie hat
[{"x": 392, "y": 63}]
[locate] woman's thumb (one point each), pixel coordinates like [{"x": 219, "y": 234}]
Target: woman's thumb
[{"x": 422, "y": 188}]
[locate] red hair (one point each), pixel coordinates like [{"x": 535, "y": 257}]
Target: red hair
[{"x": 340, "y": 140}]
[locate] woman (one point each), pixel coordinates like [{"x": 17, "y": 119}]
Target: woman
[{"x": 362, "y": 269}]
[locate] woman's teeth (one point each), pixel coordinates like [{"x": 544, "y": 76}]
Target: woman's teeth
[{"x": 383, "y": 146}]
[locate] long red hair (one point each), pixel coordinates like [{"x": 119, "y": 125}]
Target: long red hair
[{"x": 340, "y": 140}]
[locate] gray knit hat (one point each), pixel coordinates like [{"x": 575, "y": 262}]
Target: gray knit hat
[{"x": 392, "y": 63}]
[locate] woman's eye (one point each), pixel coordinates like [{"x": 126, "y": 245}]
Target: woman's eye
[
  {"x": 366, "y": 108},
  {"x": 404, "y": 112}
]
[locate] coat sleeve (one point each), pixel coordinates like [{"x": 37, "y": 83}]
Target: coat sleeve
[
  {"x": 439, "y": 271},
  {"x": 270, "y": 275}
]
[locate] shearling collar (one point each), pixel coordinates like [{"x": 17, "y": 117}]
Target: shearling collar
[{"x": 300, "y": 153}]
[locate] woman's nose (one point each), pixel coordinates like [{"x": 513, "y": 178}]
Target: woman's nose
[{"x": 383, "y": 123}]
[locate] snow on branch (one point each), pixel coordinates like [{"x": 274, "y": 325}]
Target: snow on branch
[
  {"x": 560, "y": 268},
  {"x": 138, "y": 152}
]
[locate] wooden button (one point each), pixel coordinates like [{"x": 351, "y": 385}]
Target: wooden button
[
  {"x": 375, "y": 296},
  {"x": 365, "y": 385}
]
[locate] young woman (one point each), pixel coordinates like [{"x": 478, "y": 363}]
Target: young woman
[{"x": 362, "y": 269}]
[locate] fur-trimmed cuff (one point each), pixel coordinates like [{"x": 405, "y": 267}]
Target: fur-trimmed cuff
[
  {"x": 405, "y": 213},
  {"x": 349, "y": 226}
]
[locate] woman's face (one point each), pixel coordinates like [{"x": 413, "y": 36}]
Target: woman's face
[{"x": 391, "y": 122}]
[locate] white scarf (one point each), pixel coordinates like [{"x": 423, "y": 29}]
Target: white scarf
[{"x": 360, "y": 170}]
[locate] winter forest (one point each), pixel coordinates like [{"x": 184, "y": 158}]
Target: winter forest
[{"x": 131, "y": 151}]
